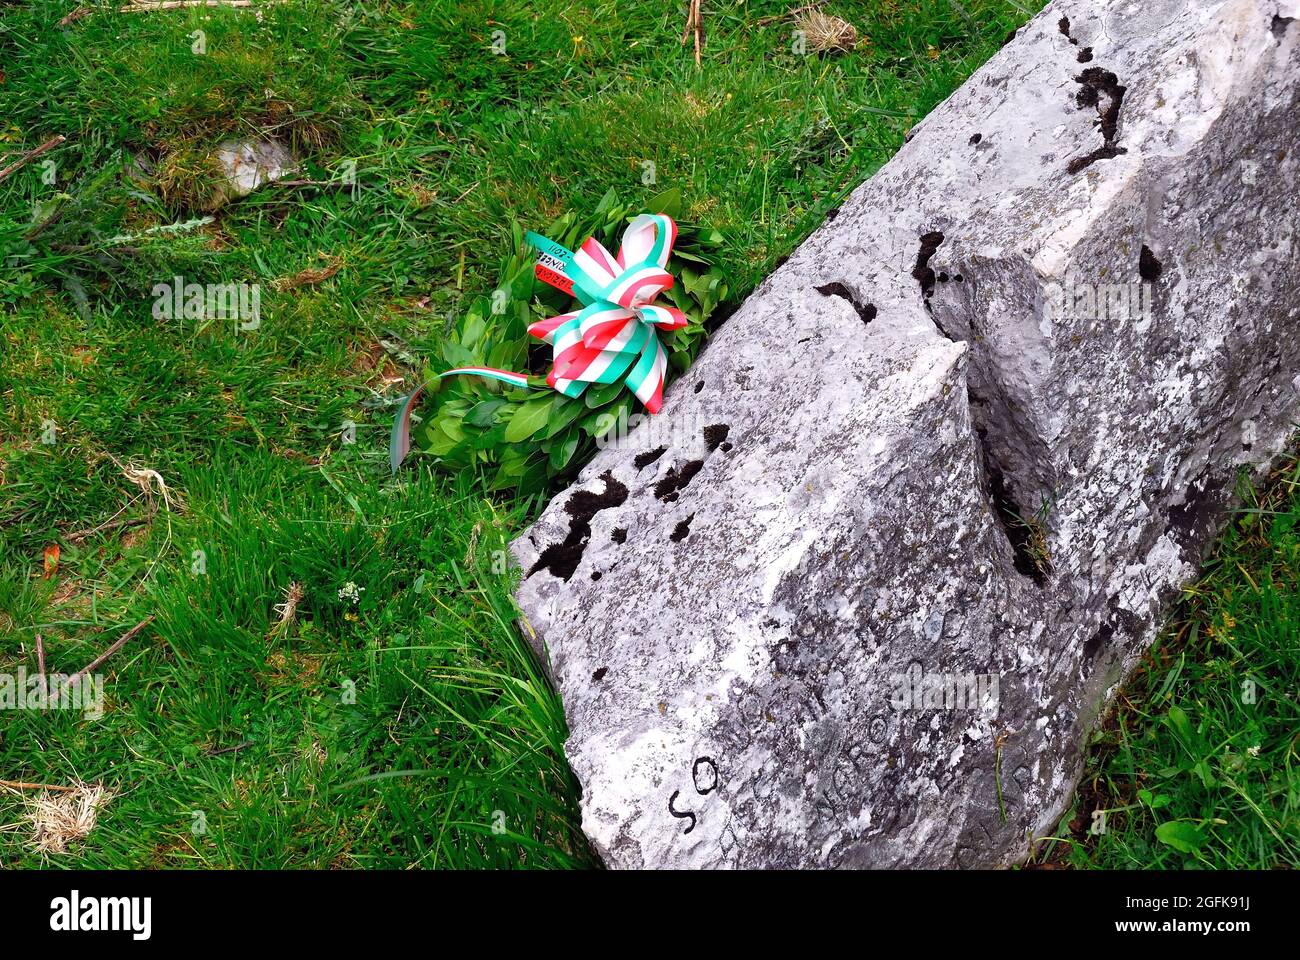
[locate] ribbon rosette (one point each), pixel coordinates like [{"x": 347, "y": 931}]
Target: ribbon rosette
[{"x": 615, "y": 331}]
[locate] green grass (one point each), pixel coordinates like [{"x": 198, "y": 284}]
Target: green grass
[
  {"x": 385, "y": 733},
  {"x": 377, "y": 734}
]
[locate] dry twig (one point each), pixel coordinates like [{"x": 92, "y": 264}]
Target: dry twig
[
  {"x": 76, "y": 15},
  {"x": 144, "y": 6},
  {"x": 23, "y": 785},
  {"x": 694, "y": 27},
  {"x": 112, "y": 523},
  {"x": 310, "y": 276},
  {"x": 336, "y": 184},
  {"x": 32, "y": 154},
  {"x": 40, "y": 663},
  {"x": 98, "y": 661},
  {"x": 233, "y": 748}
]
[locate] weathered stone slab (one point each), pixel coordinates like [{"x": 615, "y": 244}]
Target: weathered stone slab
[{"x": 806, "y": 631}]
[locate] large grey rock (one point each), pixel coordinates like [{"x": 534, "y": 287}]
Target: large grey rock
[{"x": 735, "y": 624}]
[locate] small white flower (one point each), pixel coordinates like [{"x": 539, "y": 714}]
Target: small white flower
[
  {"x": 1253, "y": 751},
  {"x": 351, "y": 592}
]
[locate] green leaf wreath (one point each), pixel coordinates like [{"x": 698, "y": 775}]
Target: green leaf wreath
[{"x": 526, "y": 440}]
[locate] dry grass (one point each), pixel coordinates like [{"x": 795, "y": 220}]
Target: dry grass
[
  {"x": 287, "y": 611},
  {"x": 827, "y": 34},
  {"x": 59, "y": 819}
]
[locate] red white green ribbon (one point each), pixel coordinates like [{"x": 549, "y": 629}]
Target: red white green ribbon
[
  {"x": 613, "y": 335},
  {"x": 490, "y": 373}
]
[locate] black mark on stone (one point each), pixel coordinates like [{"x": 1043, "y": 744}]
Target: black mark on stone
[
  {"x": 682, "y": 530},
  {"x": 1149, "y": 267},
  {"x": 596, "y": 574},
  {"x": 1096, "y": 85},
  {"x": 832, "y": 213},
  {"x": 699, "y": 386},
  {"x": 681, "y": 814},
  {"x": 1279, "y": 24},
  {"x": 599, "y": 675},
  {"x": 866, "y": 311},
  {"x": 922, "y": 272},
  {"x": 925, "y": 276},
  {"x": 644, "y": 460},
  {"x": 715, "y": 434},
  {"x": 619, "y": 535},
  {"x": 726, "y": 447},
  {"x": 676, "y": 479},
  {"x": 562, "y": 559},
  {"x": 705, "y": 774},
  {"x": 1085, "y": 54},
  {"x": 976, "y": 138}
]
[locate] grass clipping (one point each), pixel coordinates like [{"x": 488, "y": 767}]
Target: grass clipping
[{"x": 58, "y": 819}]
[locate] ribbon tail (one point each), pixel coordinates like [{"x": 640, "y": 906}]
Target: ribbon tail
[
  {"x": 580, "y": 275},
  {"x": 489, "y": 373},
  {"x": 399, "y": 439}
]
